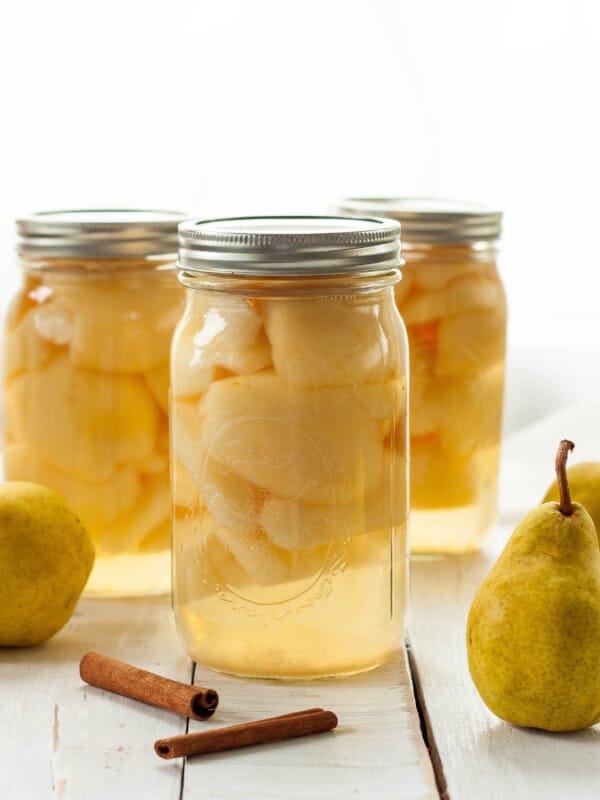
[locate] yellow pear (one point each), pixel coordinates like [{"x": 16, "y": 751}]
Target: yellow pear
[
  {"x": 584, "y": 483},
  {"x": 533, "y": 632},
  {"x": 46, "y": 556}
]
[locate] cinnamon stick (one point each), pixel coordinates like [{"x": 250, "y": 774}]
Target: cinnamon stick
[
  {"x": 147, "y": 687},
  {"x": 286, "y": 726}
]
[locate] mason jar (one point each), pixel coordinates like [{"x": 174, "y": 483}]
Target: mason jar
[
  {"x": 288, "y": 437},
  {"x": 86, "y": 373},
  {"x": 453, "y": 304}
]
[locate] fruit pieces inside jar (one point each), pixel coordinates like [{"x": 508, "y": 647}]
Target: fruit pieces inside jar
[
  {"x": 455, "y": 314},
  {"x": 281, "y": 429},
  {"x": 86, "y": 373}
]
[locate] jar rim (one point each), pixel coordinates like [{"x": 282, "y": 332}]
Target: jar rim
[
  {"x": 98, "y": 233},
  {"x": 291, "y": 245},
  {"x": 431, "y": 220}
]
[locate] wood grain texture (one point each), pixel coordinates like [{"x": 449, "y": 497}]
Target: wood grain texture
[
  {"x": 65, "y": 740},
  {"x": 483, "y": 757},
  {"x": 376, "y": 751}
]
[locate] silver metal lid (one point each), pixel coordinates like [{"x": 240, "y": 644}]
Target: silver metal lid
[
  {"x": 98, "y": 233},
  {"x": 290, "y": 245},
  {"x": 430, "y": 220}
]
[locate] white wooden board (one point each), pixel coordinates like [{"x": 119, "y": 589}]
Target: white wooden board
[
  {"x": 376, "y": 752},
  {"x": 66, "y": 740}
]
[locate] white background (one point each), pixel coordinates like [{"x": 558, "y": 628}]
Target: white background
[{"x": 229, "y": 107}]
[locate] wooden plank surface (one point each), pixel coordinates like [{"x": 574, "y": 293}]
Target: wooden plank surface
[
  {"x": 65, "y": 740},
  {"x": 68, "y": 741},
  {"x": 376, "y": 752},
  {"x": 483, "y": 757}
]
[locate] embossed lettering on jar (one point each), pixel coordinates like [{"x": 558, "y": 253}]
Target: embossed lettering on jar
[
  {"x": 288, "y": 426},
  {"x": 453, "y": 304},
  {"x": 86, "y": 372}
]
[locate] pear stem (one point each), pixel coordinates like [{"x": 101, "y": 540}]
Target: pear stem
[{"x": 565, "y": 505}]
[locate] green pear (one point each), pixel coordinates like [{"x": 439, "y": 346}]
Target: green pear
[
  {"x": 533, "y": 632},
  {"x": 584, "y": 484},
  {"x": 46, "y": 556}
]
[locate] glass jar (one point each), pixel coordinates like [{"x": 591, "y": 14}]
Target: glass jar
[
  {"x": 453, "y": 304},
  {"x": 288, "y": 436},
  {"x": 86, "y": 372}
]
